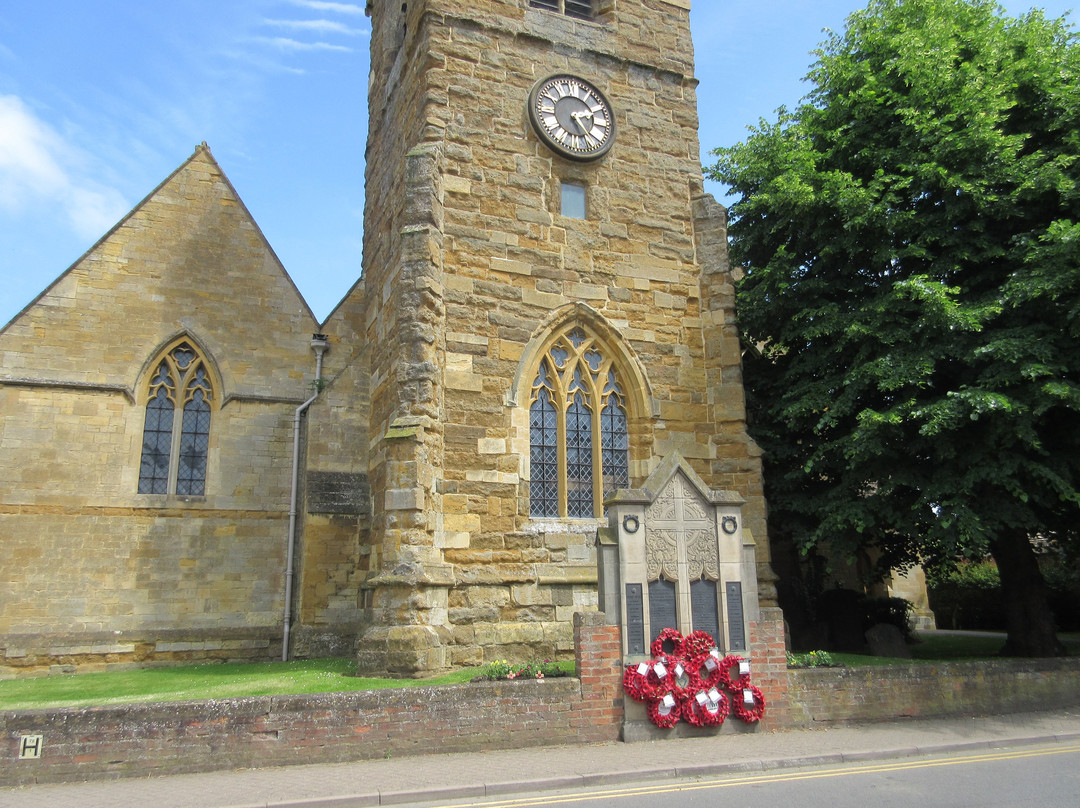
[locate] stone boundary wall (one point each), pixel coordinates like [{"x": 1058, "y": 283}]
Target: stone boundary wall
[
  {"x": 173, "y": 738},
  {"x": 822, "y": 696}
]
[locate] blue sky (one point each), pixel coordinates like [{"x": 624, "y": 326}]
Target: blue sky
[{"x": 100, "y": 100}]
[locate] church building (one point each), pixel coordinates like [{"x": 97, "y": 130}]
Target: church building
[{"x": 192, "y": 467}]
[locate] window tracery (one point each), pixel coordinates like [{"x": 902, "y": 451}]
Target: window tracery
[
  {"x": 176, "y": 428},
  {"x": 578, "y": 429}
]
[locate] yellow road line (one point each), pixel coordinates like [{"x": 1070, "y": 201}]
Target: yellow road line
[{"x": 775, "y": 777}]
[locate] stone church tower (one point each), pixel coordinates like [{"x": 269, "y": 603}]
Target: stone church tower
[
  {"x": 192, "y": 468},
  {"x": 549, "y": 312}
]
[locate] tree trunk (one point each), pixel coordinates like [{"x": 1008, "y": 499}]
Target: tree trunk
[{"x": 1029, "y": 621}]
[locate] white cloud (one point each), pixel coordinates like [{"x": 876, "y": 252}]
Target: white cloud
[
  {"x": 28, "y": 152},
  {"x": 293, "y": 45},
  {"x": 321, "y": 26},
  {"x": 40, "y": 170},
  {"x": 93, "y": 211},
  {"x": 340, "y": 8}
]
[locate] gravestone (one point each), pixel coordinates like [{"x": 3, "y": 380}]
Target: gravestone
[{"x": 886, "y": 640}]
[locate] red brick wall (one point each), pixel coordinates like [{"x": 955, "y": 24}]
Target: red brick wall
[
  {"x": 835, "y": 695},
  {"x": 598, "y": 655},
  {"x": 147, "y": 739},
  {"x": 770, "y": 672}
]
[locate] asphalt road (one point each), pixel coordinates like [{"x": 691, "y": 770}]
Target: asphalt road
[{"x": 1037, "y": 776}]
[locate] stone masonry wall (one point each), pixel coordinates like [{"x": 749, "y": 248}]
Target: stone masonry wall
[
  {"x": 514, "y": 265},
  {"x": 506, "y": 268},
  {"x": 95, "y": 573}
]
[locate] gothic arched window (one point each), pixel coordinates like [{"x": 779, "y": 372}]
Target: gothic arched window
[
  {"x": 176, "y": 431},
  {"x": 578, "y": 438}
]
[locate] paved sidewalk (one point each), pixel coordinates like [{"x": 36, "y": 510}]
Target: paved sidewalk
[{"x": 523, "y": 771}]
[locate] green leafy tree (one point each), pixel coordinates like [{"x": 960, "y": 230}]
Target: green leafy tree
[{"x": 911, "y": 245}]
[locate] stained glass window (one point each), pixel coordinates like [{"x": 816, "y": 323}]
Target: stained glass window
[
  {"x": 578, "y": 430},
  {"x": 176, "y": 441}
]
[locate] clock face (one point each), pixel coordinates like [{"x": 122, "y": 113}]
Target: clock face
[{"x": 572, "y": 117}]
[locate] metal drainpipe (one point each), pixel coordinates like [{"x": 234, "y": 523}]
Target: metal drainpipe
[{"x": 320, "y": 345}]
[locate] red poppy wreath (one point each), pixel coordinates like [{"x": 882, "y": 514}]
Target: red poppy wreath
[{"x": 746, "y": 712}]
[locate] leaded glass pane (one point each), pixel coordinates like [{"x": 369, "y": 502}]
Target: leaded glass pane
[
  {"x": 543, "y": 455},
  {"x": 183, "y": 356},
  {"x": 161, "y": 377},
  {"x": 157, "y": 441},
  {"x": 194, "y": 443},
  {"x": 579, "y": 459},
  {"x": 614, "y": 446}
]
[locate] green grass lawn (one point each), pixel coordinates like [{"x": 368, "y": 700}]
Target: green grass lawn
[
  {"x": 934, "y": 647},
  {"x": 232, "y": 680},
  {"x": 228, "y": 680}
]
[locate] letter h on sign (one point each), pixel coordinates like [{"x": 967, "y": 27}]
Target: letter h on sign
[{"x": 30, "y": 747}]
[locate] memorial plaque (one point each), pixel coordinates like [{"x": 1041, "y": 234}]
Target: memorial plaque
[
  {"x": 736, "y": 632},
  {"x": 635, "y": 620},
  {"x": 338, "y": 493},
  {"x": 662, "y": 606},
  {"x": 704, "y": 608}
]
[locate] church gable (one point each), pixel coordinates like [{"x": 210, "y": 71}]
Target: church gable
[
  {"x": 147, "y": 399},
  {"x": 189, "y": 257}
]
